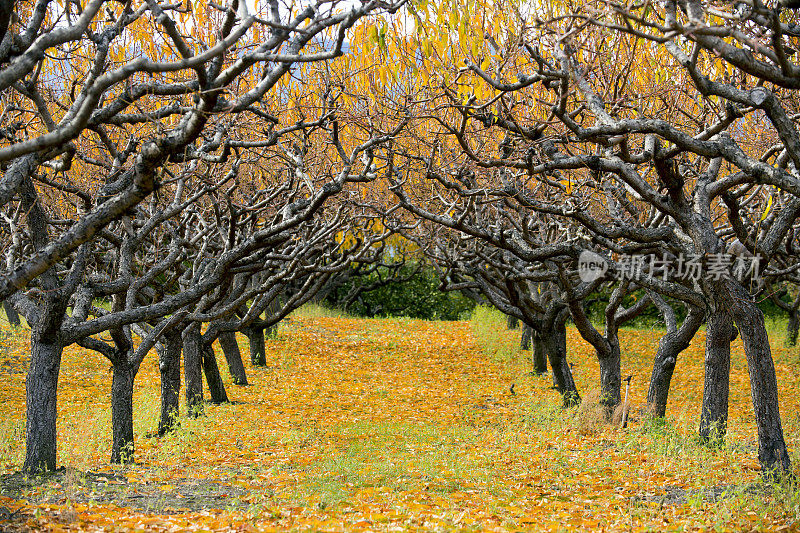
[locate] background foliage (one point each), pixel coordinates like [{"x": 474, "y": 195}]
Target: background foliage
[{"x": 416, "y": 297}]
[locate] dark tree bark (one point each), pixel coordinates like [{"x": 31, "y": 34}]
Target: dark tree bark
[
  {"x": 669, "y": 347},
  {"x": 13, "y": 316},
  {"x": 122, "y": 447},
  {"x": 41, "y": 388},
  {"x": 233, "y": 356},
  {"x": 714, "y": 416},
  {"x": 772, "y": 451},
  {"x": 512, "y": 322},
  {"x": 555, "y": 340},
  {"x": 610, "y": 375},
  {"x": 192, "y": 369},
  {"x": 660, "y": 379},
  {"x": 539, "y": 353},
  {"x": 607, "y": 346},
  {"x": 258, "y": 349},
  {"x": 274, "y": 307},
  {"x": 169, "y": 363},
  {"x": 525, "y": 338},
  {"x": 47, "y": 342},
  {"x": 6, "y": 11},
  {"x": 210, "y": 368}
]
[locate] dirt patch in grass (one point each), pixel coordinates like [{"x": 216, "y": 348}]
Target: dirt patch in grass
[{"x": 179, "y": 495}]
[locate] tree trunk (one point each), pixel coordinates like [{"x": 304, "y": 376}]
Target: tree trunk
[
  {"x": 13, "y": 316},
  {"x": 233, "y": 356},
  {"x": 539, "y": 353},
  {"x": 122, "y": 447},
  {"x": 192, "y": 370},
  {"x": 274, "y": 308},
  {"x": 610, "y": 376},
  {"x": 258, "y": 349},
  {"x": 772, "y": 451},
  {"x": 41, "y": 388},
  {"x": 714, "y": 416},
  {"x": 669, "y": 347},
  {"x": 792, "y": 328},
  {"x": 525, "y": 338},
  {"x": 214, "y": 380},
  {"x": 556, "y": 344},
  {"x": 169, "y": 362},
  {"x": 512, "y": 322},
  {"x": 660, "y": 379}
]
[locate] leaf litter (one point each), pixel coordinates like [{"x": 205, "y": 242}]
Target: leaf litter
[{"x": 389, "y": 425}]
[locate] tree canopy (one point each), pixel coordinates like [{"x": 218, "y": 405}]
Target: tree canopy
[{"x": 176, "y": 173}]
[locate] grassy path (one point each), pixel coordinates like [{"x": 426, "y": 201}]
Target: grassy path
[{"x": 391, "y": 425}]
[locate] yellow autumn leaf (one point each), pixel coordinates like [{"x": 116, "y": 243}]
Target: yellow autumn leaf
[{"x": 767, "y": 208}]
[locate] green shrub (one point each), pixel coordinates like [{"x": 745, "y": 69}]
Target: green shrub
[{"x": 417, "y": 295}]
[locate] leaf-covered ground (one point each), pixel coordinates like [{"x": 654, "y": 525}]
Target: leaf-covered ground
[{"x": 389, "y": 425}]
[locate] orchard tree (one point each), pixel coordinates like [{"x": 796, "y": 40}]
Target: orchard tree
[
  {"x": 653, "y": 131},
  {"x": 108, "y": 103}
]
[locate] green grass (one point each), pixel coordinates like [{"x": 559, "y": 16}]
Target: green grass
[
  {"x": 718, "y": 493},
  {"x": 469, "y": 454},
  {"x": 314, "y": 310},
  {"x": 12, "y": 442},
  {"x": 490, "y": 331},
  {"x": 398, "y": 456}
]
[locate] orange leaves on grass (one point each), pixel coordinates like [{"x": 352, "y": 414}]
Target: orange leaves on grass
[{"x": 384, "y": 425}]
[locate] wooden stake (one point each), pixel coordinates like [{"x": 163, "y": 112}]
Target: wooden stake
[{"x": 625, "y": 405}]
